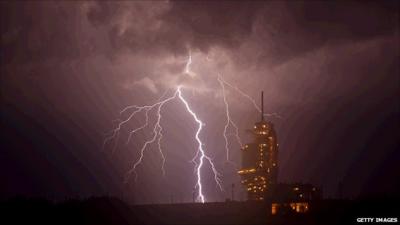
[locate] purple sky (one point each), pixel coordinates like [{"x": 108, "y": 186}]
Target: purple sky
[{"x": 329, "y": 69}]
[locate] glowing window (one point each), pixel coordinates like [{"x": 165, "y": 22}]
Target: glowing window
[{"x": 274, "y": 208}]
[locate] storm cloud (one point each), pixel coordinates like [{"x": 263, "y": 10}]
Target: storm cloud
[{"x": 330, "y": 69}]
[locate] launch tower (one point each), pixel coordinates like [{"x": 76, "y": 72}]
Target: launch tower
[{"x": 260, "y": 159}]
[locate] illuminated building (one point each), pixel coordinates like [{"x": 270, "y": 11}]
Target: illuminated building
[
  {"x": 259, "y": 174},
  {"x": 292, "y": 198},
  {"x": 260, "y": 159}
]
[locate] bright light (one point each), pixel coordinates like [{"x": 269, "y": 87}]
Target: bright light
[
  {"x": 157, "y": 130},
  {"x": 200, "y": 150},
  {"x": 229, "y": 121}
]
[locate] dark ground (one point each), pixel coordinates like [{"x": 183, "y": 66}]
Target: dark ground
[{"x": 105, "y": 210}]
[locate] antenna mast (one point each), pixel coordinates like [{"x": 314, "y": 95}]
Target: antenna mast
[{"x": 262, "y": 106}]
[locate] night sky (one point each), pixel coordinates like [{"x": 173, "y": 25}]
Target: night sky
[{"x": 329, "y": 69}]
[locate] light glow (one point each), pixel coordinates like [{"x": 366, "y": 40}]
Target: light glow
[{"x": 200, "y": 158}]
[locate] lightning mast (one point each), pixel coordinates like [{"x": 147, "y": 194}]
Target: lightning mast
[{"x": 260, "y": 159}]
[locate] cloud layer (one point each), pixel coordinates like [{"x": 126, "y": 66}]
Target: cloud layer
[{"x": 330, "y": 69}]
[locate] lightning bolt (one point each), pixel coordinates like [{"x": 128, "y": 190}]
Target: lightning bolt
[
  {"x": 156, "y": 133},
  {"x": 187, "y": 66},
  {"x": 188, "y": 63},
  {"x": 221, "y": 80},
  {"x": 200, "y": 151},
  {"x": 116, "y": 132},
  {"x": 229, "y": 121},
  {"x": 200, "y": 154},
  {"x": 200, "y": 157}
]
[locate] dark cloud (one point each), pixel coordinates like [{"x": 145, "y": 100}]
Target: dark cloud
[
  {"x": 38, "y": 31},
  {"x": 282, "y": 29},
  {"x": 67, "y": 68},
  {"x": 217, "y": 23},
  {"x": 290, "y": 29},
  {"x": 177, "y": 25}
]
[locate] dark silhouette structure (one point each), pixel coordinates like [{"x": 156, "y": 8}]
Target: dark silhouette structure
[
  {"x": 109, "y": 210},
  {"x": 259, "y": 173},
  {"x": 260, "y": 159}
]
